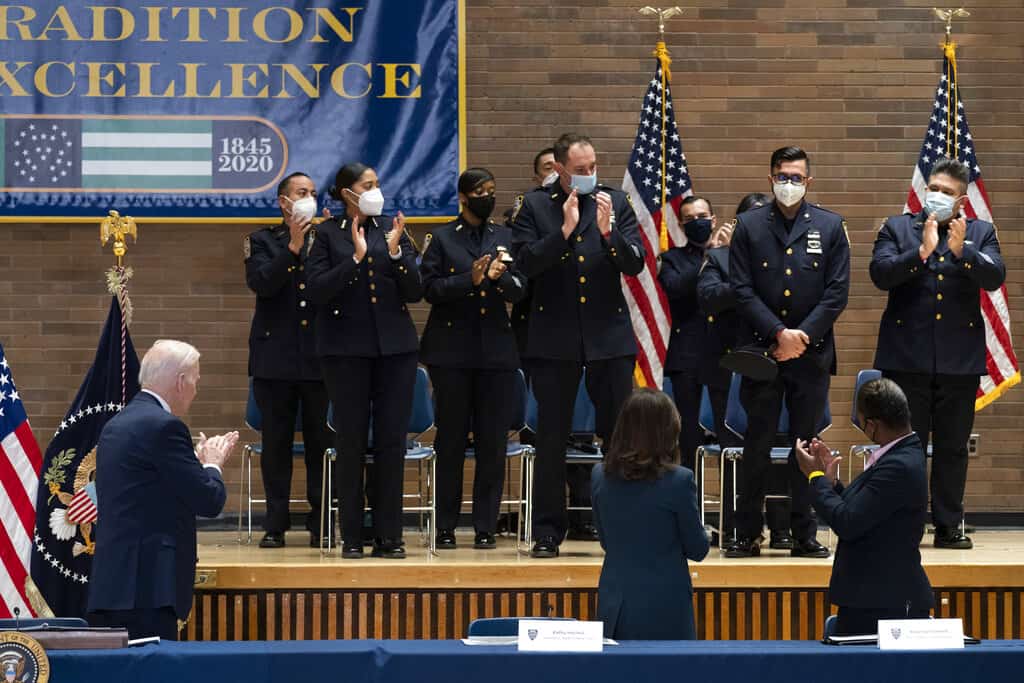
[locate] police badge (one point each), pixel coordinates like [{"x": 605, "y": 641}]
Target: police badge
[{"x": 23, "y": 659}]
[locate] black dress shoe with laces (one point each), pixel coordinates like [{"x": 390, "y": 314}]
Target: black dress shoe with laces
[
  {"x": 546, "y": 546},
  {"x": 952, "y": 539},
  {"x": 446, "y": 540},
  {"x": 744, "y": 546},
  {"x": 352, "y": 551},
  {"x": 781, "y": 540},
  {"x": 389, "y": 548},
  {"x": 484, "y": 541},
  {"x": 808, "y": 548},
  {"x": 272, "y": 539}
]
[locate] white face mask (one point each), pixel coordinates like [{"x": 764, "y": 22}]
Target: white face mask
[
  {"x": 371, "y": 202},
  {"x": 788, "y": 194},
  {"x": 303, "y": 209},
  {"x": 550, "y": 178}
]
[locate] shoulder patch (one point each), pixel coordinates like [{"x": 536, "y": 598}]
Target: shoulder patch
[
  {"x": 517, "y": 207},
  {"x": 427, "y": 239},
  {"x": 247, "y": 247}
]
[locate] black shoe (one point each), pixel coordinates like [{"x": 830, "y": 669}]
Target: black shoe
[
  {"x": 781, "y": 540},
  {"x": 808, "y": 548},
  {"x": 952, "y": 539},
  {"x": 272, "y": 539},
  {"x": 325, "y": 541},
  {"x": 584, "y": 532},
  {"x": 484, "y": 541},
  {"x": 546, "y": 546},
  {"x": 352, "y": 551},
  {"x": 745, "y": 546},
  {"x": 446, "y": 540},
  {"x": 389, "y": 549}
]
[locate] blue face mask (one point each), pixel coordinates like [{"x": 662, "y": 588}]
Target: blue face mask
[
  {"x": 583, "y": 184},
  {"x": 940, "y": 204}
]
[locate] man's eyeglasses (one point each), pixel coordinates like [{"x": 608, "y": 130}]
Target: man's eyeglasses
[{"x": 795, "y": 178}]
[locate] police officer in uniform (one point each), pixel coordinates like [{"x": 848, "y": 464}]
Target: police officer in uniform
[
  {"x": 362, "y": 274},
  {"x": 790, "y": 269},
  {"x": 717, "y": 302},
  {"x": 282, "y": 358},
  {"x": 470, "y": 351},
  {"x": 677, "y": 272},
  {"x": 574, "y": 240},
  {"x": 931, "y": 340}
]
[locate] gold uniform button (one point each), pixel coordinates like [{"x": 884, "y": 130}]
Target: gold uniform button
[
  {"x": 970, "y": 324},
  {"x": 483, "y": 311},
  {"x": 483, "y": 294},
  {"x": 583, "y": 299},
  {"x": 789, "y": 271},
  {"x": 579, "y": 238},
  {"x": 302, "y": 304},
  {"x": 939, "y": 297},
  {"x": 451, "y": 270},
  {"x": 372, "y": 286},
  {"x": 291, "y": 268},
  {"x": 373, "y": 299},
  {"x": 764, "y": 265},
  {"x": 582, "y": 258},
  {"x": 941, "y": 276},
  {"x": 790, "y": 251},
  {"x": 614, "y": 253},
  {"x": 449, "y": 323},
  {"x": 302, "y": 285},
  {"x": 370, "y": 273},
  {"x": 941, "y": 259},
  {"x": 304, "y": 323},
  {"x": 302, "y": 267},
  {"x": 786, "y": 293},
  {"x": 815, "y": 264},
  {"x": 784, "y": 312},
  {"x": 583, "y": 280},
  {"x": 369, "y": 259},
  {"x": 899, "y": 322},
  {"x": 711, "y": 318},
  {"x": 938, "y": 316},
  {"x": 336, "y": 311},
  {"x": 678, "y": 330}
]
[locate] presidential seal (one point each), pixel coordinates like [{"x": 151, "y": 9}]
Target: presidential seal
[{"x": 22, "y": 659}]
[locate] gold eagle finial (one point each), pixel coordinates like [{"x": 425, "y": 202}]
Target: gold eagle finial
[
  {"x": 662, "y": 15},
  {"x": 118, "y": 227}
]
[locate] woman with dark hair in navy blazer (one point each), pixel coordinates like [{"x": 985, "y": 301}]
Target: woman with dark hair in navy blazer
[
  {"x": 470, "y": 350},
  {"x": 362, "y": 273},
  {"x": 645, "y": 509}
]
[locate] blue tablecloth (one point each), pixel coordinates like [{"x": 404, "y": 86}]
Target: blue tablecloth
[{"x": 452, "y": 662}]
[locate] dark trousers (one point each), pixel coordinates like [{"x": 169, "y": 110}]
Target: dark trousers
[
  {"x": 686, "y": 391},
  {"x": 859, "y": 621},
  {"x": 479, "y": 401},
  {"x": 943, "y": 406},
  {"x": 141, "y": 623},
  {"x": 361, "y": 387},
  {"x": 805, "y": 398},
  {"x": 777, "y": 478},
  {"x": 609, "y": 383},
  {"x": 279, "y": 401}
]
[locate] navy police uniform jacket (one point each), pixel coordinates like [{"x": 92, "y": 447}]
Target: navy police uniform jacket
[
  {"x": 678, "y": 277},
  {"x": 798, "y": 280},
  {"x": 879, "y": 519},
  {"x": 281, "y": 341},
  {"x": 363, "y": 308},
  {"x": 150, "y": 487},
  {"x": 577, "y": 310},
  {"x": 468, "y": 326},
  {"x": 717, "y": 302},
  {"x": 932, "y": 322}
]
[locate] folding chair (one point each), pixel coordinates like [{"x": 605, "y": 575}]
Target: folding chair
[
  {"x": 503, "y": 626},
  {"x": 254, "y": 421},
  {"x": 584, "y": 451},
  {"x": 514, "y": 449},
  {"x": 420, "y": 421},
  {"x": 711, "y": 449}
]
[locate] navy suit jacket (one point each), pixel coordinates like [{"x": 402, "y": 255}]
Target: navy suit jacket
[
  {"x": 880, "y": 520},
  {"x": 932, "y": 322},
  {"x": 468, "y": 326},
  {"x": 648, "y": 529},
  {"x": 577, "y": 310},
  {"x": 150, "y": 487}
]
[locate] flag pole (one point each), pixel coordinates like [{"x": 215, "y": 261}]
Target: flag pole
[
  {"x": 949, "y": 49},
  {"x": 118, "y": 227},
  {"x": 664, "y": 61}
]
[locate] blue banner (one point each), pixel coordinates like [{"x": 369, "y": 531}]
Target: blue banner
[{"x": 198, "y": 108}]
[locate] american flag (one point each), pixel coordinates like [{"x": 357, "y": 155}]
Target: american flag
[
  {"x": 20, "y": 460},
  {"x": 657, "y": 159},
  {"x": 949, "y": 136}
]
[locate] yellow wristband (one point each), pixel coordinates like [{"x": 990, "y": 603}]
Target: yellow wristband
[{"x": 814, "y": 475}]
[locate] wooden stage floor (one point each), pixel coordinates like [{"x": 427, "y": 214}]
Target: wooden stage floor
[{"x": 244, "y": 592}]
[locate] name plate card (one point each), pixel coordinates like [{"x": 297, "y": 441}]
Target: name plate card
[
  {"x": 544, "y": 635},
  {"x": 920, "y": 634}
]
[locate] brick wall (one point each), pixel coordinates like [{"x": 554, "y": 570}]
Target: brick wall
[{"x": 849, "y": 80}]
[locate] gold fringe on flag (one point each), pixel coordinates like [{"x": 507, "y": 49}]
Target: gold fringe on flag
[{"x": 665, "y": 61}]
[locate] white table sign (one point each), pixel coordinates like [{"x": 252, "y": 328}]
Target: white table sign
[
  {"x": 920, "y": 634},
  {"x": 543, "y": 635}
]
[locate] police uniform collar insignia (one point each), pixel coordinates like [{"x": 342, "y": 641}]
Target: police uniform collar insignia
[
  {"x": 458, "y": 227},
  {"x": 23, "y": 659},
  {"x": 517, "y": 206},
  {"x": 247, "y": 246}
]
